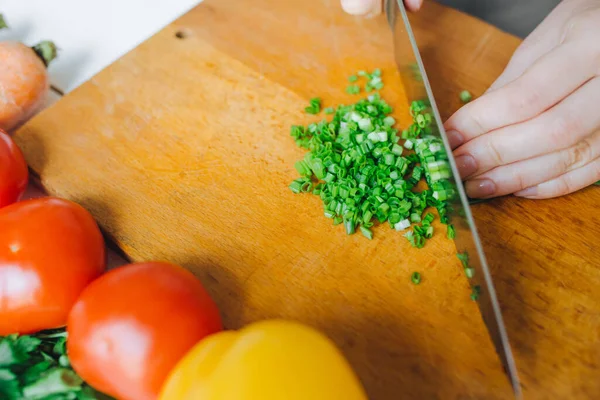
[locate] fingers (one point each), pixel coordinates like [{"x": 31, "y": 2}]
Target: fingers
[
  {"x": 542, "y": 40},
  {"x": 523, "y": 174},
  {"x": 413, "y": 5},
  {"x": 561, "y": 127},
  {"x": 362, "y": 7},
  {"x": 565, "y": 184},
  {"x": 545, "y": 83},
  {"x": 374, "y": 7}
]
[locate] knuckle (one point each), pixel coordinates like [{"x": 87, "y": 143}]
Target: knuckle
[
  {"x": 579, "y": 155},
  {"x": 526, "y": 100},
  {"x": 558, "y": 187},
  {"x": 578, "y": 30},
  {"x": 563, "y": 130},
  {"x": 521, "y": 181},
  {"x": 476, "y": 122},
  {"x": 494, "y": 153}
]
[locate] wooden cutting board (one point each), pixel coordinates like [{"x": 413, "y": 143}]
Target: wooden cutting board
[{"x": 181, "y": 150}]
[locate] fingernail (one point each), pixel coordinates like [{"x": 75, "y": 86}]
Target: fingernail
[
  {"x": 479, "y": 188},
  {"x": 359, "y": 7},
  {"x": 413, "y": 5},
  {"x": 529, "y": 192},
  {"x": 455, "y": 138},
  {"x": 466, "y": 165}
]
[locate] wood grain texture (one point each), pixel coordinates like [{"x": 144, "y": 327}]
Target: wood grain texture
[{"x": 181, "y": 150}]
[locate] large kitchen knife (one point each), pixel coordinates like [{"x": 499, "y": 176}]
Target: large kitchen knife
[{"x": 466, "y": 239}]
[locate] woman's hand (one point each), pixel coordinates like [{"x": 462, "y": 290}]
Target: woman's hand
[
  {"x": 374, "y": 7},
  {"x": 536, "y": 131}
]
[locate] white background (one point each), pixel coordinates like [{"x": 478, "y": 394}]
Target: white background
[{"x": 90, "y": 33}]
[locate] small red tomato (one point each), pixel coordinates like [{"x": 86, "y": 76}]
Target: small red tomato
[
  {"x": 50, "y": 250},
  {"x": 131, "y": 326},
  {"x": 13, "y": 171}
]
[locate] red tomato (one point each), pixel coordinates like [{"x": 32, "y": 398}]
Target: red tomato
[
  {"x": 50, "y": 250},
  {"x": 13, "y": 171},
  {"x": 131, "y": 326}
]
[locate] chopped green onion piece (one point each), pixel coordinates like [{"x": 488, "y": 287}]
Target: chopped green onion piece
[
  {"x": 349, "y": 226},
  {"x": 354, "y": 163},
  {"x": 400, "y": 226},
  {"x": 429, "y": 217},
  {"x": 428, "y": 232},
  {"x": 476, "y": 291},
  {"x": 352, "y": 78},
  {"x": 415, "y": 240},
  {"x": 296, "y": 186},
  {"x": 314, "y": 107},
  {"x": 415, "y": 217},
  {"x": 389, "y": 159},
  {"x": 464, "y": 258},
  {"x": 353, "y": 89},
  {"x": 366, "y": 232},
  {"x": 415, "y": 278},
  {"x": 302, "y": 168},
  {"x": 450, "y": 232},
  {"x": 465, "y": 96},
  {"x": 365, "y": 124},
  {"x": 397, "y": 149},
  {"x": 470, "y": 272}
]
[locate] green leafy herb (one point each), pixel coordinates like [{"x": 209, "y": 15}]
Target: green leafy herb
[
  {"x": 3, "y": 22},
  {"x": 475, "y": 292},
  {"x": 465, "y": 96},
  {"x": 469, "y": 272},
  {"x": 366, "y": 232},
  {"x": 314, "y": 107},
  {"x": 353, "y": 89},
  {"x": 415, "y": 278},
  {"x": 356, "y": 165},
  {"x": 450, "y": 232},
  {"x": 464, "y": 258},
  {"x": 37, "y": 367},
  {"x": 366, "y": 172}
]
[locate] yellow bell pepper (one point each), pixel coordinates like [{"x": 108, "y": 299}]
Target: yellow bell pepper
[{"x": 268, "y": 360}]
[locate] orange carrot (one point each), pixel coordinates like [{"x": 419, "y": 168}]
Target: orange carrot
[{"x": 23, "y": 81}]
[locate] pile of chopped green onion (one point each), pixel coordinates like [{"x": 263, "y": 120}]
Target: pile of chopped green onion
[{"x": 366, "y": 171}]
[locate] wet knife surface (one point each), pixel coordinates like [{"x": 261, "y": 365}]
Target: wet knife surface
[{"x": 466, "y": 240}]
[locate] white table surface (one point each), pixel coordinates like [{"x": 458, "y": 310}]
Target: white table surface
[{"x": 90, "y": 34}]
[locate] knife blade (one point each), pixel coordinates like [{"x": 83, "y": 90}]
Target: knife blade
[{"x": 417, "y": 86}]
